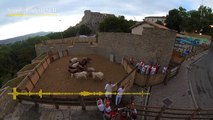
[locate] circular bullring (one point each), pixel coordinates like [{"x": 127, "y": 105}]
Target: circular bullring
[{"x": 57, "y": 78}]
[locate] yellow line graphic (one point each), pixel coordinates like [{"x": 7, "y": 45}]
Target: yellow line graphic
[
  {"x": 15, "y": 93},
  {"x": 22, "y": 15}
]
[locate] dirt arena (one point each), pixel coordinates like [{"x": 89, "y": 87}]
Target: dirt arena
[{"x": 57, "y": 78}]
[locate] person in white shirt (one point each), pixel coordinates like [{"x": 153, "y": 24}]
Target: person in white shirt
[
  {"x": 100, "y": 105},
  {"x": 153, "y": 69},
  {"x": 108, "y": 89},
  {"x": 119, "y": 95},
  {"x": 164, "y": 70}
]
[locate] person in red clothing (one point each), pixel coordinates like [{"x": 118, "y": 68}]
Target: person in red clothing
[
  {"x": 157, "y": 66},
  {"x": 107, "y": 109},
  {"x": 132, "y": 61},
  {"x": 148, "y": 69}
]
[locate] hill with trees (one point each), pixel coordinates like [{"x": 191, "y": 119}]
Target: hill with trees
[
  {"x": 16, "y": 55},
  {"x": 24, "y": 37}
]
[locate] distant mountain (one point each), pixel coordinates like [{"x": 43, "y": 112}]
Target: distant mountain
[{"x": 24, "y": 37}]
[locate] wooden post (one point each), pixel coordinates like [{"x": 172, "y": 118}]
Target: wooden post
[
  {"x": 67, "y": 52},
  {"x": 55, "y": 103},
  {"x": 34, "y": 100},
  {"x": 43, "y": 65},
  {"x": 19, "y": 99},
  {"x": 18, "y": 90},
  {"x": 82, "y": 103},
  {"x": 160, "y": 113},
  {"x": 26, "y": 89},
  {"x": 58, "y": 55},
  {"x": 194, "y": 113},
  {"x": 37, "y": 72},
  {"x": 46, "y": 59},
  {"x": 31, "y": 81},
  {"x": 147, "y": 80}
]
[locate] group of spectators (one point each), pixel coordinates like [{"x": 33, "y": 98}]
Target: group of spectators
[
  {"x": 147, "y": 69},
  {"x": 104, "y": 105}
]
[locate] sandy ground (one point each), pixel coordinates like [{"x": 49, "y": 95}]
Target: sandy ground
[{"x": 57, "y": 78}]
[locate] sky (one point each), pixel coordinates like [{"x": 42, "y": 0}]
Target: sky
[{"x": 20, "y": 17}]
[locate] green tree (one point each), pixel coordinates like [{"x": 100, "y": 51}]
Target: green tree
[
  {"x": 70, "y": 32},
  {"x": 116, "y": 24},
  {"x": 190, "y": 21},
  {"x": 16, "y": 55},
  {"x": 84, "y": 30},
  {"x": 55, "y": 35},
  {"x": 206, "y": 19},
  {"x": 174, "y": 18}
]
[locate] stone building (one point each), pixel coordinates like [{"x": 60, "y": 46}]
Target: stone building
[
  {"x": 138, "y": 28},
  {"x": 92, "y": 19},
  {"x": 155, "y": 19}
]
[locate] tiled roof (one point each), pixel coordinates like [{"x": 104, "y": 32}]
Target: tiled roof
[{"x": 150, "y": 23}]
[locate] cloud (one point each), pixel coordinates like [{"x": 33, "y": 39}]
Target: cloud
[
  {"x": 72, "y": 11},
  {"x": 57, "y": 23}
]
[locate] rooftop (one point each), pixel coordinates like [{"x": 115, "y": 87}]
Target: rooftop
[{"x": 150, "y": 23}]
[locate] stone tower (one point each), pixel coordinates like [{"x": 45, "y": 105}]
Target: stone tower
[{"x": 92, "y": 19}]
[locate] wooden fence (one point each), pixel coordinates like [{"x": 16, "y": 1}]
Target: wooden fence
[
  {"x": 29, "y": 82},
  {"x": 57, "y": 101},
  {"x": 129, "y": 79},
  {"x": 172, "y": 113}
]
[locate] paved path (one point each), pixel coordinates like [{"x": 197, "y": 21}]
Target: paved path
[
  {"x": 175, "y": 94},
  {"x": 180, "y": 92},
  {"x": 201, "y": 77}
]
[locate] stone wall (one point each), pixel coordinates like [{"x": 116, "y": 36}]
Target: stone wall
[
  {"x": 155, "y": 45},
  {"x": 7, "y": 104}
]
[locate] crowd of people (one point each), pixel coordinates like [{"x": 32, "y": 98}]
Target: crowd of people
[
  {"x": 147, "y": 69},
  {"x": 104, "y": 105}
]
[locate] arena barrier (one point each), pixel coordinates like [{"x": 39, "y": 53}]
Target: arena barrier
[
  {"x": 129, "y": 79},
  {"x": 30, "y": 80},
  {"x": 157, "y": 113}
]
